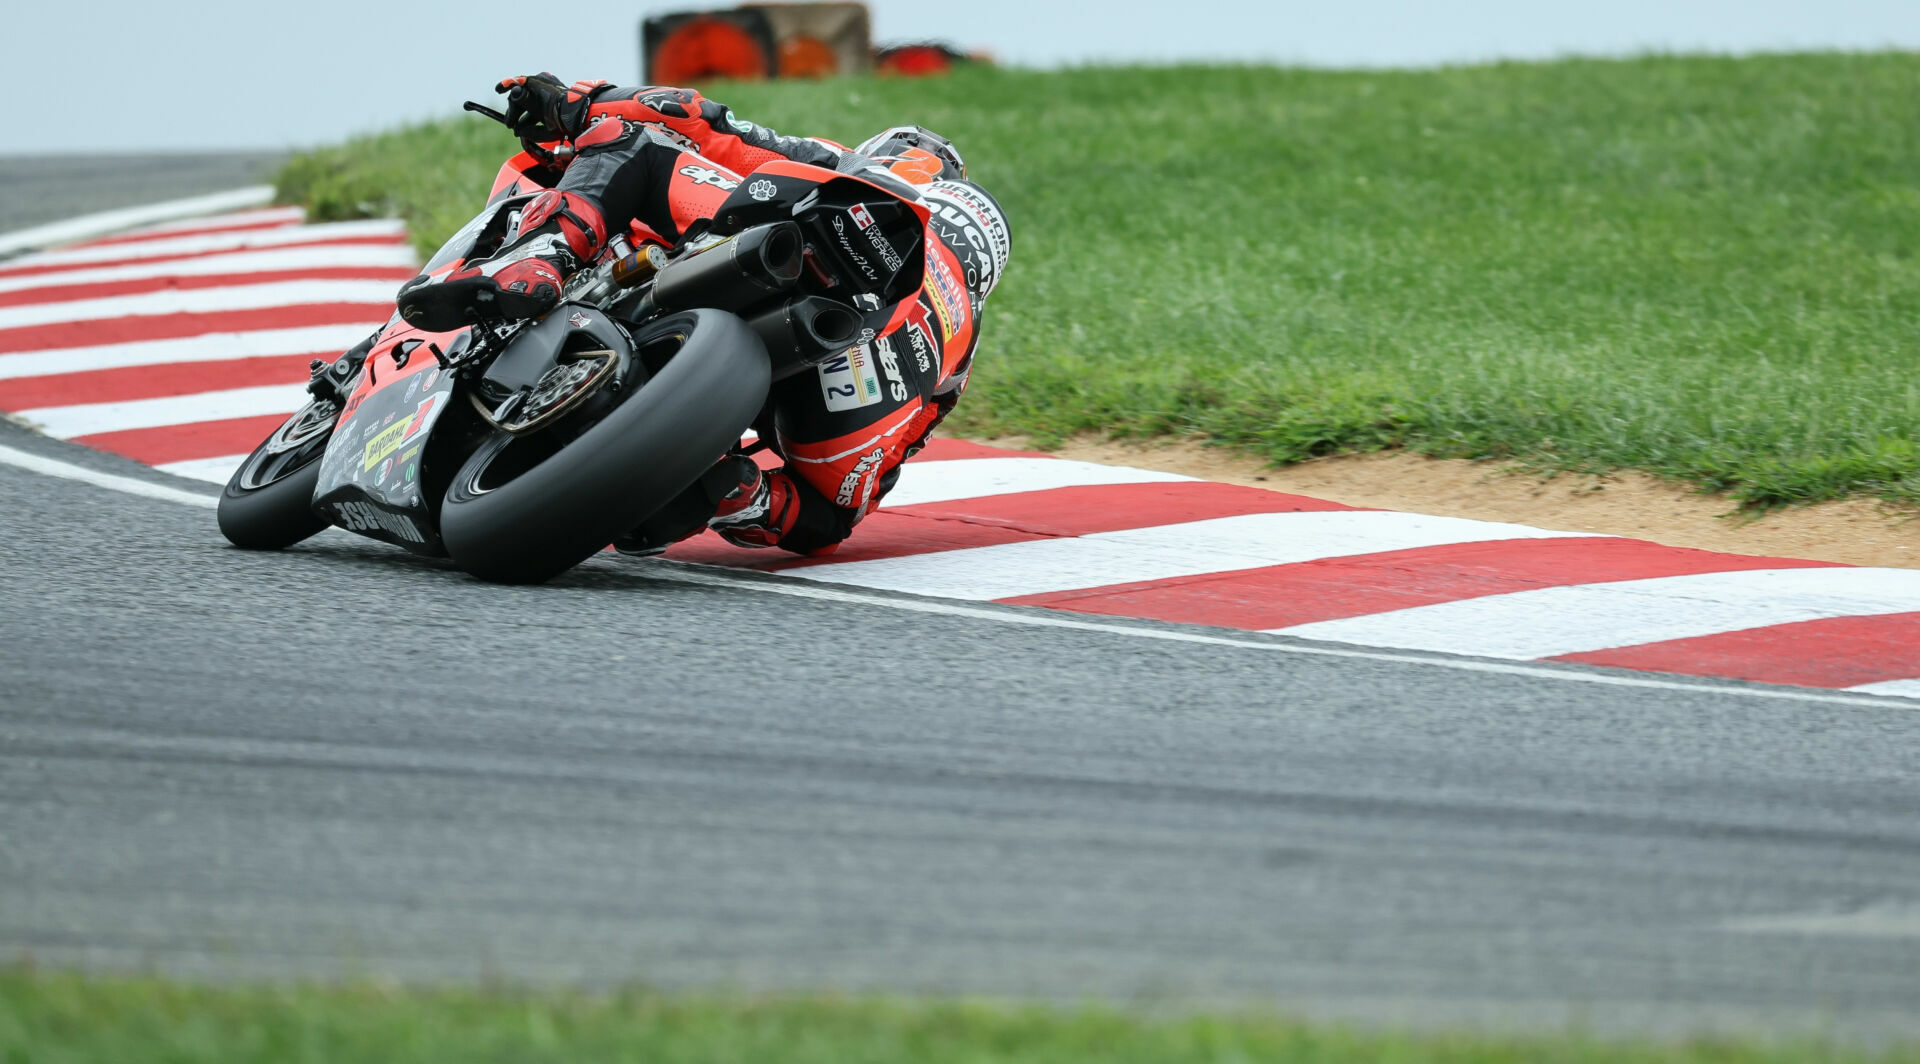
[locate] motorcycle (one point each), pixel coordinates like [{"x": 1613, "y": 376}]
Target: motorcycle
[{"x": 518, "y": 449}]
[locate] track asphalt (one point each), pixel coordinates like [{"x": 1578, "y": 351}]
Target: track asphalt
[{"x": 343, "y": 760}]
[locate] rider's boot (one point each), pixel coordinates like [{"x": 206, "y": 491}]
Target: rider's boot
[
  {"x": 689, "y": 512},
  {"x": 759, "y": 510},
  {"x": 558, "y": 232}
]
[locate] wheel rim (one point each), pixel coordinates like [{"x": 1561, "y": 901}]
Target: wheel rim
[
  {"x": 301, "y": 440},
  {"x": 507, "y": 457}
]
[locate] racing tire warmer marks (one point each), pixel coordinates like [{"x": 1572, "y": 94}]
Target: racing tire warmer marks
[{"x": 182, "y": 345}]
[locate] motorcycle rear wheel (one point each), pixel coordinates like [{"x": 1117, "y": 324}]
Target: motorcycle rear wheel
[
  {"x": 525, "y": 509},
  {"x": 268, "y": 502}
]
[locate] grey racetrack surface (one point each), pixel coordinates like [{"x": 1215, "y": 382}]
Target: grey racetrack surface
[
  {"x": 341, "y": 760},
  {"x": 50, "y": 188}
]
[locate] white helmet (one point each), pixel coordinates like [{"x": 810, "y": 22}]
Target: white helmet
[{"x": 972, "y": 223}]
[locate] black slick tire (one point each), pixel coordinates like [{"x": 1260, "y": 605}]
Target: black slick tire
[{"x": 658, "y": 441}]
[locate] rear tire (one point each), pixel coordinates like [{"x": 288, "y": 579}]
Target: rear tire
[
  {"x": 268, "y": 503},
  {"x": 515, "y": 514}
]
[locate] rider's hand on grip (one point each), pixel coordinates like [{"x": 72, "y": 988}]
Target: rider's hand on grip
[{"x": 540, "y": 108}]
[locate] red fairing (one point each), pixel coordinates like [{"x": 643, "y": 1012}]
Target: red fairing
[{"x": 517, "y": 176}]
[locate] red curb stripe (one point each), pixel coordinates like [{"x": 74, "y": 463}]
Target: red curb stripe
[
  {"x": 994, "y": 519},
  {"x": 54, "y": 269},
  {"x": 180, "y": 443},
  {"x": 150, "y": 382},
  {"x": 137, "y": 286},
  {"x": 1833, "y": 652},
  {"x": 57, "y": 335},
  {"x": 1285, "y": 595}
]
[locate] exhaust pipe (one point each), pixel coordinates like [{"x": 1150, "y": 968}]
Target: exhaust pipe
[
  {"x": 744, "y": 272},
  {"x": 802, "y": 332}
]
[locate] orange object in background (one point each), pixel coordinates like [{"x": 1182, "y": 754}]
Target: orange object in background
[
  {"x": 704, "y": 47},
  {"x": 756, "y": 40},
  {"x": 807, "y": 56}
]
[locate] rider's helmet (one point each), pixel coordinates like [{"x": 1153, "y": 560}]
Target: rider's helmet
[{"x": 916, "y": 153}]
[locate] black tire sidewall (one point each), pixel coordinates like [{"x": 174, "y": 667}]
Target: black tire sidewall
[
  {"x": 275, "y": 516},
  {"x": 623, "y": 469}
]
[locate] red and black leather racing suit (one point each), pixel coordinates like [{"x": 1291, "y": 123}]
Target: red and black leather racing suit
[{"x": 653, "y": 161}]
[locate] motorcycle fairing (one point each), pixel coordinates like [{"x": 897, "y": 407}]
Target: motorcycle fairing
[{"x": 370, "y": 477}]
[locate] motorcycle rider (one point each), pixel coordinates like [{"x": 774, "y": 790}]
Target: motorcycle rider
[{"x": 656, "y": 162}]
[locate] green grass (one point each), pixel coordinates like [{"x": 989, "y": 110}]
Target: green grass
[
  {"x": 1700, "y": 267},
  {"x": 58, "y": 1019}
]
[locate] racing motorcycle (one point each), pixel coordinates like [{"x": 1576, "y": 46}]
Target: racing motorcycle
[{"x": 520, "y": 448}]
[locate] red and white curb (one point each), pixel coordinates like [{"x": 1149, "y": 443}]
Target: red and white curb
[{"x": 115, "y": 343}]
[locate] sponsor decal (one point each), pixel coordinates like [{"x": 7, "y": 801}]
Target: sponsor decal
[
  {"x": 705, "y": 175},
  {"x": 890, "y": 366},
  {"x": 848, "y": 381},
  {"x": 949, "y": 301},
  {"x": 386, "y": 470},
  {"x": 578, "y": 320},
  {"x": 413, "y": 470},
  {"x": 389, "y": 438},
  {"x": 850, "y": 486},
  {"x": 762, "y": 190},
  {"x": 921, "y": 343},
  {"x": 740, "y": 125},
  {"x": 840, "y": 230},
  {"x": 365, "y": 517},
  {"x": 861, "y": 216},
  {"x": 413, "y": 386}
]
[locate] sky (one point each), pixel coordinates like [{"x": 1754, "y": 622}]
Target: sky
[{"x": 119, "y": 75}]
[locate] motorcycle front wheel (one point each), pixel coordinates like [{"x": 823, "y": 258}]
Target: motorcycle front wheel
[
  {"x": 524, "y": 509},
  {"x": 268, "y": 502}
]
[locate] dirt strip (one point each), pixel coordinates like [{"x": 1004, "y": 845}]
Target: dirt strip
[{"x": 1623, "y": 504}]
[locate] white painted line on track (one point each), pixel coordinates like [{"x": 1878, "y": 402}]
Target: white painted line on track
[
  {"x": 92, "y": 225},
  {"x": 1161, "y": 552},
  {"x": 967, "y": 478},
  {"x": 55, "y": 468},
  {"x": 272, "y": 295},
  {"x": 714, "y": 576},
  {"x": 325, "y": 340},
  {"x": 202, "y": 243},
  {"x": 1550, "y": 621},
  {"x": 66, "y": 422},
  {"x": 212, "y": 470},
  {"x": 1898, "y": 688},
  {"x": 269, "y": 260},
  {"x": 685, "y": 573}
]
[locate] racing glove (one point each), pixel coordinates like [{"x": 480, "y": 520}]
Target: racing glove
[{"x": 540, "y": 108}]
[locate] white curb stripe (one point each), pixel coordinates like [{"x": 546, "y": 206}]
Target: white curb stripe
[
  {"x": 323, "y": 340},
  {"x": 212, "y": 470},
  {"x": 1160, "y": 552},
  {"x": 202, "y": 301},
  {"x": 93, "y": 225},
  {"x": 53, "y": 468},
  {"x": 66, "y": 422},
  {"x": 700, "y": 574},
  {"x": 200, "y": 244},
  {"x": 1551, "y": 621},
  {"x": 1897, "y": 688},
  {"x": 316, "y": 257},
  {"x": 969, "y": 478}
]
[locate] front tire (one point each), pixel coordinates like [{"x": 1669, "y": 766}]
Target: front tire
[
  {"x": 268, "y": 502},
  {"x": 525, "y": 509}
]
